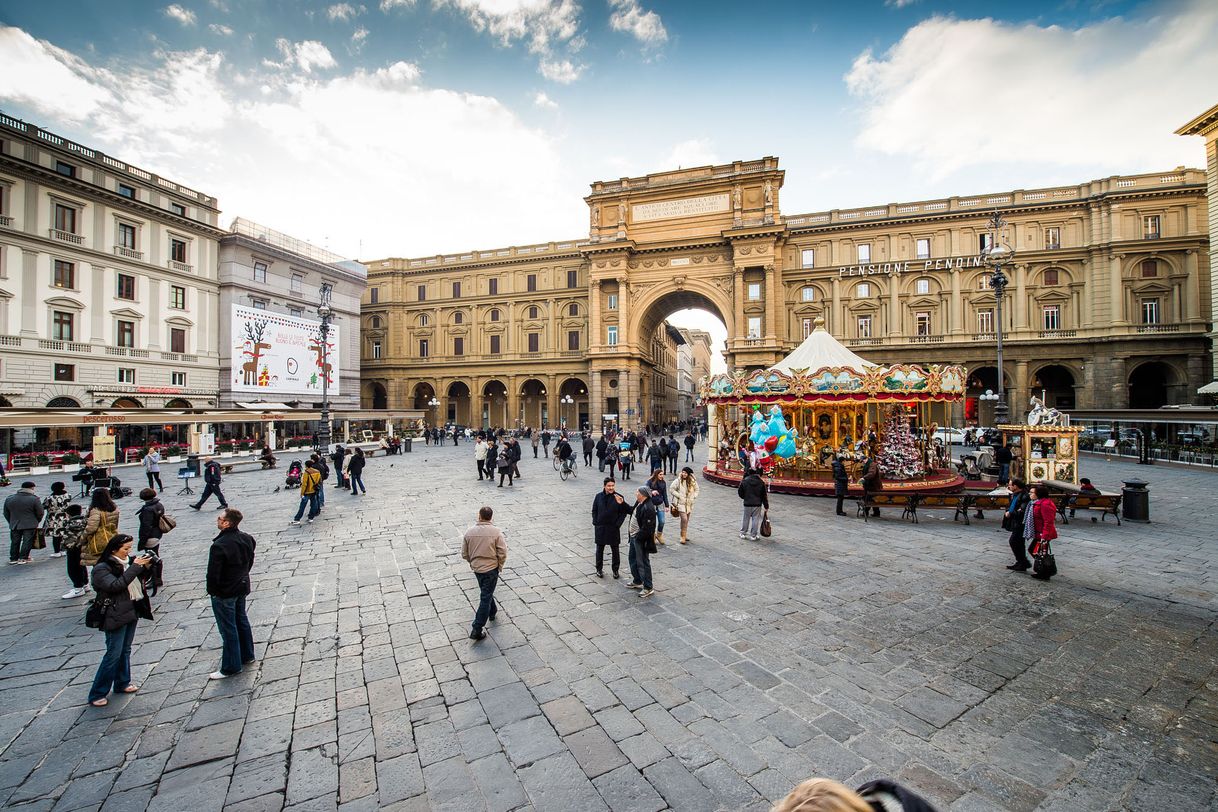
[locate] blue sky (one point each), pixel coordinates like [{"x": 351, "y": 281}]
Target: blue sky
[{"x": 414, "y": 127}]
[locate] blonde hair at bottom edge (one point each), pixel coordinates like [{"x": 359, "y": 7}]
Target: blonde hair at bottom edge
[{"x": 822, "y": 795}]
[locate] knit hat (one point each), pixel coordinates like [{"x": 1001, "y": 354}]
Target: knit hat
[{"x": 646, "y": 491}]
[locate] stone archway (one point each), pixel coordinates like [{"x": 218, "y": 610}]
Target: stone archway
[
  {"x": 574, "y": 414},
  {"x": 494, "y": 404},
  {"x": 1057, "y": 383},
  {"x": 375, "y": 396},
  {"x": 978, "y": 410},
  {"x": 458, "y": 397},
  {"x": 1152, "y": 384},
  {"x": 533, "y": 407},
  {"x": 421, "y": 397}
]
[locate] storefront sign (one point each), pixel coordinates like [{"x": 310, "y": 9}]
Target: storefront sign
[
  {"x": 103, "y": 418},
  {"x": 277, "y": 354},
  {"x": 103, "y": 450},
  {"x": 683, "y": 207},
  {"x": 158, "y": 390},
  {"x": 913, "y": 266}
]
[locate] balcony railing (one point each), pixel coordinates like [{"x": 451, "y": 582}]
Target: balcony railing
[
  {"x": 5, "y": 220},
  {"x": 862, "y": 342},
  {"x": 1158, "y": 328},
  {"x": 926, "y": 339},
  {"x": 66, "y": 236},
  {"x": 10, "y": 341},
  {"x": 180, "y": 266},
  {"x": 1058, "y": 333},
  {"x": 130, "y": 253},
  {"x": 984, "y": 337}
]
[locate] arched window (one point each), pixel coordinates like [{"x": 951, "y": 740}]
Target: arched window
[
  {"x": 532, "y": 311},
  {"x": 573, "y": 309},
  {"x": 1150, "y": 268},
  {"x": 423, "y": 320},
  {"x": 63, "y": 403},
  {"x": 1051, "y": 277},
  {"x": 458, "y": 317},
  {"x": 494, "y": 315}
]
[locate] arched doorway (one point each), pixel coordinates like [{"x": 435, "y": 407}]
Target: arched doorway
[
  {"x": 459, "y": 404},
  {"x": 1150, "y": 385},
  {"x": 62, "y": 403},
  {"x": 1054, "y": 384},
  {"x": 573, "y": 404},
  {"x": 979, "y": 410},
  {"x": 421, "y": 398},
  {"x": 534, "y": 410},
  {"x": 494, "y": 405},
  {"x": 126, "y": 403},
  {"x": 374, "y": 396},
  {"x": 177, "y": 403}
]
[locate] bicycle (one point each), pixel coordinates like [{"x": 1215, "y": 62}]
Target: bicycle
[
  {"x": 556, "y": 462},
  {"x": 567, "y": 469}
]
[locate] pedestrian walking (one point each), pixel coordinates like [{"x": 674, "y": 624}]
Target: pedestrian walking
[
  {"x": 211, "y": 484},
  {"x": 752, "y": 492},
  {"x": 73, "y": 539},
  {"x": 504, "y": 463},
  {"x": 56, "y": 521},
  {"x": 149, "y": 535},
  {"x": 659, "y": 498},
  {"x": 480, "y": 449},
  {"x": 674, "y": 454},
  {"x": 683, "y": 494},
  {"x": 536, "y": 440},
  {"x": 1040, "y": 526},
  {"x": 545, "y": 442},
  {"x": 612, "y": 460},
  {"x": 642, "y": 542},
  {"x": 485, "y": 548},
  {"x": 514, "y": 454},
  {"x": 602, "y": 449},
  {"x": 23, "y": 511},
  {"x": 492, "y": 460},
  {"x": 871, "y": 480},
  {"x": 101, "y": 525},
  {"x": 609, "y": 510},
  {"x": 625, "y": 461},
  {"x": 355, "y": 472},
  {"x": 310, "y": 485},
  {"x": 656, "y": 455},
  {"x": 1003, "y": 457},
  {"x": 588, "y": 447},
  {"x": 228, "y": 583},
  {"x": 319, "y": 462},
  {"x": 1013, "y": 521},
  {"x": 152, "y": 467},
  {"x": 690, "y": 442},
  {"x": 841, "y": 482},
  {"x": 118, "y": 587},
  {"x": 338, "y": 457}
]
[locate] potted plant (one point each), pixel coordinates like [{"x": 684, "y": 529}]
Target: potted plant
[
  {"x": 42, "y": 464},
  {"x": 173, "y": 453},
  {"x": 225, "y": 448},
  {"x": 70, "y": 462}
]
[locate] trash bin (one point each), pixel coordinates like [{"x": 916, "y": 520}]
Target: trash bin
[
  {"x": 1135, "y": 501},
  {"x": 406, "y": 444}
]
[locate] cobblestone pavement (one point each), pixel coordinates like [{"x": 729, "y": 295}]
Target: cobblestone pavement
[{"x": 838, "y": 648}]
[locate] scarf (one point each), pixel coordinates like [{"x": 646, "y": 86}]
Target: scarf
[
  {"x": 1029, "y": 520},
  {"x": 135, "y": 589}
]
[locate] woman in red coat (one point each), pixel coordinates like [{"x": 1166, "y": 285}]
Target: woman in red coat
[{"x": 1044, "y": 520}]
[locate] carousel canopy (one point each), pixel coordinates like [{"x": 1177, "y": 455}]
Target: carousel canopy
[{"x": 819, "y": 350}]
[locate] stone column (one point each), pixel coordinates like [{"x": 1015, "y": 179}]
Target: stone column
[
  {"x": 513, "y": 403},
  {"x": 772, "y": 298},
  {"x": 1192, "y": 290},
  {"x": 552, "y": 405},
  {"x": 956, "y": 306},
  {"x": 837, "y": 321},
  {"x": 895, "y": 327},
  {"x": 596, "y": 401},
  {"x": 1020, "y": 299},
  {"x": 594, "y": 315},
  {"x": 623, "y": 311},
  {"x": 1116, "y": 293},
  {"x": 738, "y": 303},
  {"x": 1017, "y": 399}
]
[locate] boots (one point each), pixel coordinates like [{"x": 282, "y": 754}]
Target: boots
[
  {"x": 683, "y": 539},
  {"x": 659, "y": 538}
]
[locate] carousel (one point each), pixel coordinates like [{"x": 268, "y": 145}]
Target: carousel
[{"x": 822, "y": 401}]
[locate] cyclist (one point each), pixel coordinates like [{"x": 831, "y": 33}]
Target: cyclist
[{"x": 564, "y": 453}]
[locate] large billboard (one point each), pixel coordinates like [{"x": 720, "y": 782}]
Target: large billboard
[{"x": 275, "y": 354}]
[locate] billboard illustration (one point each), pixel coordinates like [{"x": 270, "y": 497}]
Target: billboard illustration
[{"x": 278, "y": 354}]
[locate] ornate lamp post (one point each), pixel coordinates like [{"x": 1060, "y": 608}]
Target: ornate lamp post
[
  {"x": 326, "y": 312},
  {"x": 566, "y": 400},
  {"x": 432, "y": 404},
  {"x": 996, "y": 256}
]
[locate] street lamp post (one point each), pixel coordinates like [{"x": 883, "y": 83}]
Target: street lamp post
[
  {"x": 996, "y": 256},
  {"x": 326, "y": 312},
  {"x": 566, "y": 400},
  {"x": 432, "y": 404}
]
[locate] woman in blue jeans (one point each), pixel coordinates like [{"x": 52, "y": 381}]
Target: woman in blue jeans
[{"x": 119, "y": 584}]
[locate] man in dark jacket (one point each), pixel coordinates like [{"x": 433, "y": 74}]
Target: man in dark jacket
[
  {"x": 228, "y": 582},
  {"x": 602, "y": 448},
  {"x": 338, "y": 456},
  {"x": 752, "y": 492},
  {"x": 545, "y": 442},
  {"x": 23, "y": 511},
  {"x": 841, "y": 483},
  {"x": 642, "y": 542},
  {"x": 609, "y": 510},
  {"x": 674, "y": 454},
  {"x": 211, "y": 484},
  {"x": 689, "y": 446},
  {"x": 1003, "y": 457},
  {"x": 589, "y": 447},
  {"x": 656, "y": 455}
]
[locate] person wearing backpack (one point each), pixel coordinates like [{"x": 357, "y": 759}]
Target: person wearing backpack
[
  {"x": 101, "y": 525},
  {"x": 310, "y": 484},
  {"x": 319, "y": 462},
  {"x": 355, "y": 472},
  {"x": 119, "y": 589}
]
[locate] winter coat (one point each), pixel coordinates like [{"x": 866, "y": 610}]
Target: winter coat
[
  {"x": 752, "y": 491},
  {"x": 1044, "y": 519},
  {"x": 891, "y": 796},
  {"x": 310, "y": 481},
  {"x": 683, "y": 495},
  {"x": 228, "y": 564},
  {"x": 674, "y": 449},
  {"x": 841, "y": 479},
  {"x": 480, "y": 450},
  {"x": 513, "y": 452},
  {"x": 150, "y": 514},
  {"x": 564, "y": 450},
  {"x": 211, "y": 473},
  {"x": 661, "y": 495},
  {"x": 656, "y": 454},
  {"x": 57, "y": 513},
  {"x": 110, "y": 580},
  {"x": 872, "y": 481},
  {"x": 492, "y": 454},
  {"x": 689, "y": 441},
  {"x": 23, "y": 510},
  {"x": 602, "y": 448},
  {"x": 73, "y": 532},
  {"x": 152, "y": 462},
  {"x": 97, "y": 521},
  {"x": 588, "y": 445},
  {"x": 1013, "y": 518},
  {"x": 645, "y": 518},
  {"x": 355, "y": 465}
]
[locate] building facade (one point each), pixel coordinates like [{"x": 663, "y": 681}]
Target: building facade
[
  {"x": 108, "y": 288},
  {"x": 263, "y": 269},
  {"x": 1206, "y": 126},
  {"x": 1108, "y": 306}
]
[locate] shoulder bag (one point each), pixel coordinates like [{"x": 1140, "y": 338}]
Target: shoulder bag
[
  {"x": 95, "y": 612},
  {"x": 166, "y": 522},
  {"x": 1044, "y": 563},
  {"x": 766, "y": 530}
]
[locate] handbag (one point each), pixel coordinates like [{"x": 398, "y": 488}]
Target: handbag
[
  {"x": 95, "y": 612},
  {"x": 1044, "y": 564},
  {"x": 166, "y": 522},
  {"x": 673, "y": 510},
  {"x": 766, "y": 530}
]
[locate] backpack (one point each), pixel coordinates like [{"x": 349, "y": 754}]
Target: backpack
[{"x": 95, "y": 545}]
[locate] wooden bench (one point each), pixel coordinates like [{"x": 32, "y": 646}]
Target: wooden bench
[
  {"x": 237, "y": 466},
  {"x": 941, "y": 500},
  {"x": 1106, "y": 503},
  {"x": 980, "y": 502},
  {"x": 908, "y": 502}
]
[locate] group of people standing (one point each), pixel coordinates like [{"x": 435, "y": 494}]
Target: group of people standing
[
  {"x": 490, "y": 457},
  {"x": 349, "y": 468}
]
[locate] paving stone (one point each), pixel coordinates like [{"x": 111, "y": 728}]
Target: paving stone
[
  {"x": 399, "y": 778},
  {"x": 567, "y": 715},
  {"x": 529, "y": 740},
  {"x": 556, "y": 784},
  {"x": 507, "y": 704},
  {"x": 594, "y": 751},
  {"x": 496, "y": 780},
  {"x": 206, "y": 744},
  {"x": 679, "y": 788},
  {"x": 313, "y": 774},
  {"x": 626, "y": 790},
  {"x": 258, "y": 777},
  {"x": 619, "y": 723}
]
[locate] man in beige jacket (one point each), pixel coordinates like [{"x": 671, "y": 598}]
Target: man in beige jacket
[{"x": 485, "y": 549}]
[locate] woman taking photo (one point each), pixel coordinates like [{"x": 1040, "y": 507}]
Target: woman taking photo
[
  {"x": 101, "y": 524},
  {"x": 683, "y": 495},
  {"x": 118, "y": 584}
]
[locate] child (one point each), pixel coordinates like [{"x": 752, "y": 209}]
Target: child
[{"x": 73, "y": 540}]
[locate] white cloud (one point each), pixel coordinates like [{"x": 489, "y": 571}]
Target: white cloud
[
  {"x": 958, "y": 93},
  {"x": 562, "y": 71},
  {"x": 358, "y": 38},
  {"x": 281, "y": 148},
  {"x": 222, "y": 30},
  {"x": 309, "y": 55},
  {"x": 389, "y": 5},
  {"x": 182, "y": 15},
  {"x": 645, "y": 26},
  {"x": 542, "y": 100},
  {"x": 899, "y": 3},
  {"x": 344, "y": 11},
  {"x": 694, "y": 152}
]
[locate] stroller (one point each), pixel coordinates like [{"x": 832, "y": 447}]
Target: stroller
[{"x": 295, "y": 470}]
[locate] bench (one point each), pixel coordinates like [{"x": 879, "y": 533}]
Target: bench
[
  {"x": 1106, "y": 503},
  {"x": 980, "y": 502},
  {"x": 941, "y": 500},
  {"x": 908, "y": 502},
  {"x": 237, "y": 466}
]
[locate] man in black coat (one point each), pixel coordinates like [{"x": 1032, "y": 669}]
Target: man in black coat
[
  {"x": 642, "y": 541},
  {"x": 752, "y": 493},
  {"x": 609, "y": 510},
  {"x": 602, "y": 448},
  {"x": 674, "y": 453},
  {"x": 228, "y": 582},
  {"x": 211, "y": 484},
  {"x": 338, "y": 456},
  {"x": 689, "y": 446},
  {"x": 841, "y": 483},
  {"x": 589, "y": 447}
]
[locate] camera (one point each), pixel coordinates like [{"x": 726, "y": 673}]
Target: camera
[{"x": 150, "y": 553}]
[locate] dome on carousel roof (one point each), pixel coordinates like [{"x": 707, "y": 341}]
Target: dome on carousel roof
[{"x": 818, "y": 350}]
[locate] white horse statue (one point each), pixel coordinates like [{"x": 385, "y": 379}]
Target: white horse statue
[{"x": 1040, "y": 415}]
